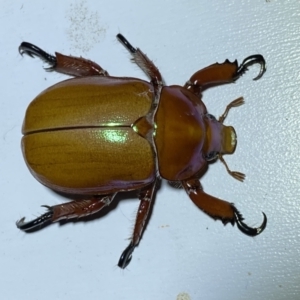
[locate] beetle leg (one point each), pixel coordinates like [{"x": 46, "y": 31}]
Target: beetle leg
[
  {"x": 227, "y": 72},
  {"x": 219, "y": 209},
  {"x": 143, "y": 62},
  {"x": 70, "y": 65},
  {"x": 33, "y": 50},
  {"x": 73, "y": 209},
  {"x": 146, "y": 196}
]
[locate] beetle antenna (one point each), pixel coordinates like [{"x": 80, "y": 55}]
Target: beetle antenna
[
  {"x": 237, "y": 175},
  {"x": 235, "y": 103},
  {"x": 39, "y": 222}
]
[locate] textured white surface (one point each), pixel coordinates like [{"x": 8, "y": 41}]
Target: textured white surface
[{"x": 183, "y": 252}]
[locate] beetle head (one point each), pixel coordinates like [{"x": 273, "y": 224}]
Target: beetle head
[
  {"x": 229, "y": 140},
  {"x": 220, "y": 139}
]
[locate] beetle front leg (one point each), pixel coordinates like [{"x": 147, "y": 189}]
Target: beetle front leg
[
  {"x": 146, "y": 196},
  {"x": 219, "y": 209},
  {"x": 226, "y": 72},
  {"x": 70, "y": 65},
  {"x": 73, "y": 209}
]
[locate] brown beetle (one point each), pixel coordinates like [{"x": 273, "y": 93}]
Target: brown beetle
[{"x": 96, "y": 135}]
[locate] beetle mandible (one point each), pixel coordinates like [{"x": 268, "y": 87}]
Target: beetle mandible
[{"x": 96, "y": 135}]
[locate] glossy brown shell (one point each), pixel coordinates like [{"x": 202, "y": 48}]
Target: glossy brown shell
[
  {"x": 78, "y": 136},
  {"x": 180, "y": 133}
]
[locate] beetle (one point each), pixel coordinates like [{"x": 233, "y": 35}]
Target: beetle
[{"x": 96, "y": 135}]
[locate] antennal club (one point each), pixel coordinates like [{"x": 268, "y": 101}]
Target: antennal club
[
  {"x": 235, "y": 103},
  {"x": 237, "y": 175}
]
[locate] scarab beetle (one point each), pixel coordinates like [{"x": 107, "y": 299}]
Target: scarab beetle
[{"x": 96, "y": 135}]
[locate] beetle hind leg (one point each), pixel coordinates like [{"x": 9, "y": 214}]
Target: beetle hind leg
[
  {"x": 146, "y": 196},
  {"x": 70, "y": 65},
  {"x": 37, "y": 223},
  {"x": 33, "y": 50},
  {"x": 73, "y": 209}
]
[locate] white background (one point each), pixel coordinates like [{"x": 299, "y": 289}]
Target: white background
[{"x": 183, "y": 253}]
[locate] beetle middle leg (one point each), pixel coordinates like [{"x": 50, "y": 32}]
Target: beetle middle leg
[
  {"x": 146, "y": 196},
  {"x": 219, "y": 209},
  {"x": 70, "y": 65},
  {"x": 143, "y": 62},
  {"x": 73, "y": 209},
  {"x": 227, "y": 72}
]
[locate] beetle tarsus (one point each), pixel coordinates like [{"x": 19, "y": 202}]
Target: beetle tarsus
[
  {"x": 145, "y": 64},
  {"x": 251, "y": 60},
  {"x": 125, "y": 42},
  {"x": 245, "y": 228},
  {"x": 38, "y": 222},
  {"x": 126, "y": 256},
  {"x": 33, "y": 50}
]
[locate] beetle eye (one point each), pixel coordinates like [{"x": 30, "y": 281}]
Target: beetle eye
[
  {"x": 211, "y": 155},
  {"x": 211, "y": 117}
]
